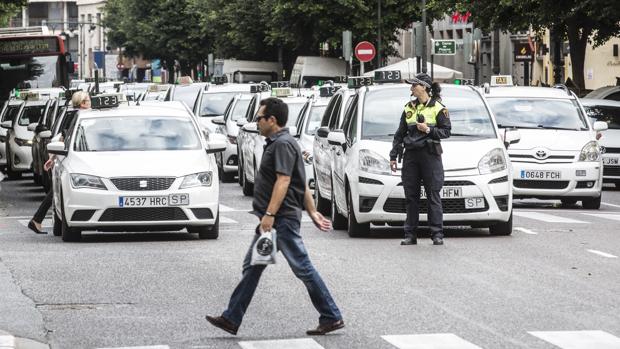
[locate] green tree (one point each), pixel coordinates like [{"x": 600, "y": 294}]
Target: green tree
[
  {"x": 8, "y": 9},
  {"x": 579, "y": 21}
]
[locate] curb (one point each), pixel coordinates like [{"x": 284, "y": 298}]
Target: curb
[{"x": 8, "y": 341}]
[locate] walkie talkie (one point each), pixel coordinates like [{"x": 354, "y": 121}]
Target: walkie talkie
[{"x": 420, "y": 118}]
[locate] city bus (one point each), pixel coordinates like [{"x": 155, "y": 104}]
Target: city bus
[{"x": 31, "y": 57}]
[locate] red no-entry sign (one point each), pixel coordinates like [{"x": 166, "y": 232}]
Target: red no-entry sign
[{"x": 365, "y": 51}]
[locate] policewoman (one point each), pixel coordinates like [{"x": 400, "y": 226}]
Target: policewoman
[{"x": 423, "y": 124}]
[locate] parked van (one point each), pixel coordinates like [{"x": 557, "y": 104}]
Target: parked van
[
  {"x": 238, "y": 71},
  {"x": 308, "y": 70}
]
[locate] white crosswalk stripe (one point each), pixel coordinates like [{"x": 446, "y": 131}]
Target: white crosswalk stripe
[
  {"x": 226, "y": 220},
  {"x": 601, "y": 253},
  {"x": 545, "y": 217},
  {"x": 142, "y": 347},
  {"x": 610, "y": 216},
  {"x": 301, "y": 343},
  {"x": 430, "y": 341},
  {"x": 47, "y": 223},
  {"x": 579, "y": 339}
]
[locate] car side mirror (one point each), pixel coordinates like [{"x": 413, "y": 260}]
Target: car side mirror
[
  {"x": 250, "y": 127},
  {"x": 57, "y": 148},
  {"x": 219, "y": 120},
  {"x": 7, "y": 124},
  {"x": 322, "y": 131},
  {"x": 241, "y": 122},
  {"x": 32, "y": 127},
  {"x": 336, "y": 137},
  {"x": 216, "y": 143},
  {"x": 511, "y": 137},
  {"x": 600, "y": 126},
  {"x": 45, "y": 134}
]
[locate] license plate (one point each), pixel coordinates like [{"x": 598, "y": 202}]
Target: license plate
[
  {"x": 154, "y": 201},
  {"x": 446, "y": 192},
  {"x": 610, "y": 161},
  {"x": 471, "y": 203},
  {"x": 543, "y": 175}
]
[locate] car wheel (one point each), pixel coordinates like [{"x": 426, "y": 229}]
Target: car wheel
[
  {"x": 9, "y": 165},
  {"x": 502, "y": 228},
  {"x": 322, "y": 205},
  {"x": 355, "y": 229},
  {"x": 568, "y": 202},
  {"x": 68, "y": 234},
  {"x": 248, "y": 188},
  {"x": 338, "y": 221},
  {"x": 227, "y": 177},
  {"x": 57, "y": 230},
  {"x": 240, "y": 169},
  {"x": 210, "y": 232},
  {"x": 591, "y": 203}
]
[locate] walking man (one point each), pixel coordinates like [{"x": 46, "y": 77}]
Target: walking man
[{"x": 280, "y": 194}]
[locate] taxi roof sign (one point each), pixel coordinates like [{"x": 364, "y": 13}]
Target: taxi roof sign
[
  {"x": 281, "y": 92},
  {"x": 359, "y": 81},
  {"x": 389, "y": 76},
  {"x": 278, "y": 84},
  {"x": 104, "y": 101},
  {"x": 501, "y": 80},
  {"x": 259, "y": 88},
  {"x": 219, "y": 80},
  {"x": 328, "y": 91}
]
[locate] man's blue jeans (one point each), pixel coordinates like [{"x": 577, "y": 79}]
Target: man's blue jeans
[{"x": 291, "y": 245}]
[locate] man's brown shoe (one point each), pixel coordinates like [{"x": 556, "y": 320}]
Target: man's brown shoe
[
  {"x": 221, "y": 322},
  {"x": 326, "y": 328}
]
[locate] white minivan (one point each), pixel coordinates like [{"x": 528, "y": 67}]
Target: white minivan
[{"x": 607, "y": 111}]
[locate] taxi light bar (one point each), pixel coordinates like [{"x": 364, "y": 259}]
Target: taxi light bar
[
  {"x": 340, "y": 79},
  {"x": 279, "y": 84},
  {"x": 103, "y": 101},
  {"x": 259, "y": 88},
  {"x": 328, "y": 91},
  {"x": 389, "y": 76},
  {"x": 281, "y": 92},
  {"x": 359, "y": 81},
  {"x": 501, "y": 80},
  {"x": 29, "y": 96},
  {"x": 219, "y": 80}
]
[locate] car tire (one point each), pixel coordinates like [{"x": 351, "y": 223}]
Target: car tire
[
  {"x": 591, "y": 203},
  {"x": 322, "y": 205},
  {"x": 9, "y": 165},
  {"x": 354, "y": 228},
  {"x": 501, "y": 228},
  {"x": 248, "y": 188},
  {"x": 568, "y": 202},
  {"x": 209, "y": 232},
  {"x": 57, "y": 230},
  {"x": 227, "y": 177},
  {"x": 68, "y": 233},
  {"x": 338, "y": 221},
  {"x": 240, "y": 170}
]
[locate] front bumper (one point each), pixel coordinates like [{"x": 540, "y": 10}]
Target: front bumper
[
  {"x": 381, "y": 199},
  {"x": 21, "y": 157},
  {"x": 577, "y": 179},
  {"x": 611, "y": 173},
  {"x": 94, "y": 209},
  {"x": 230, "y": 159}
]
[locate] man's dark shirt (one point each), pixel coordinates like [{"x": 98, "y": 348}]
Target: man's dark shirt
[{"x": 282, "y": 155}]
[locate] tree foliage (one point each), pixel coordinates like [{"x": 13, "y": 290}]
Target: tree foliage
[
  {"x": 8, "y": 9},
  {"x": 579, "y": 21}
]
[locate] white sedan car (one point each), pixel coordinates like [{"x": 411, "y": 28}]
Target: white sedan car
[{"x": 136, "y": 168}]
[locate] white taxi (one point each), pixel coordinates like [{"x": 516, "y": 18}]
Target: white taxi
[
  {"x": 9, "y": 112},
  {"x": 136, "y": 168},
  {"x": 477, "y": 187},
  {"x": 213, "y": 100},
  {"x": 558, "y": 157}
]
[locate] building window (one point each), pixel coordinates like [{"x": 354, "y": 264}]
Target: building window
[
  {"x": 90, "y": 18},
  {"x": 37, "y": 12}
]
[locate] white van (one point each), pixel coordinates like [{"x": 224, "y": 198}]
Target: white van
[
  {"x": 308, "y": 70},
  {"x": 239, "y": 71},
  {"x": 608, "y": 111}
]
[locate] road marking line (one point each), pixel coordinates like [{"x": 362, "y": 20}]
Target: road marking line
[
  {"x": 225, "y": 220},
  {"x": 546, "y": 217},
  {"x": 7, "y": 341},
  {"x": 601, "y": 253},
  {"x": 431, "y": 341},
  {"x": 301, "y": 343},
  {"x": 20, "y": 217},
  {"x": 142, "y": 347},
  {"x": 47, "y": 223},
  {"x": 608, "y": 204},
  {"x": 614, "y": 217},
  {"x": 224, "y": 208},
  {"x": 527, "y": 231},
  {"x": 579, "y": 339}
]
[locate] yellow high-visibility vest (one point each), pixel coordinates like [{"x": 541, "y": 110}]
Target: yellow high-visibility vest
[{"x": 429, "y": 113}]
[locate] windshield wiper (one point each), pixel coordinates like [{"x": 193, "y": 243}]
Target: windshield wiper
[
  {"x": 210, "y": 114},
  {"x": 462, "y": 135},
  {"x": 557, "y": 128}
]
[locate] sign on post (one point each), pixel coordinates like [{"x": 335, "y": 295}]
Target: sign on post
[
  {"x": 523, "y": 52},
  {"x": 444, "y": 47},
  {"x": 365, "y": 51}
]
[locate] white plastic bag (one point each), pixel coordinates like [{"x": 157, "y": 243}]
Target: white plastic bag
[{"x": 265, "y": 248}]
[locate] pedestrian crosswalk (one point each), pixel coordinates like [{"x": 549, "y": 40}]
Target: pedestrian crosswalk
[{"x": 556, "y": 339}]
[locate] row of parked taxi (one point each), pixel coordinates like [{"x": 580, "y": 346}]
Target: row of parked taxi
[{"x": 126, "y": 164}]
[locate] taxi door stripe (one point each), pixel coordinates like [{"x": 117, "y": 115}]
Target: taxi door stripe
[
  {"x": 579, "y": 339},
  {"x": 433, "y": 340},
  {"x": 546, "y": 217}
]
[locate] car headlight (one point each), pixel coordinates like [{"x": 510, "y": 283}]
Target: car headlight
[
  {"x": 307, "y": 156},
  {"x": 374, "y": 163},
  {"x": 590, "y": 152},
  {"x": 79, "y": 180},
  {"x": 493, "y": 161},
  {"x": 197, "y": 180},
  {"x": 23, "y": 142}
]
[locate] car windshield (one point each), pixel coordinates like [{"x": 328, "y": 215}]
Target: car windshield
[
  {"x": 543, "y": 113},
  {"x": 314, "y": 119},
  {"x": 468, "y": 115},
  {"x": 10, "y": 113},
  {"x": 214, "y": 104},
  {"x": 187, "y": 94},
  {"x": 609, "y": 114},
  {"x": 136, "y": 133},
  {"x": 240, "y": 108},
  {"x": 293, "y": 112},
  {"x": 31, "y": 113}
]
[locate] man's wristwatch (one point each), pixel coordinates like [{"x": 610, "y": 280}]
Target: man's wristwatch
[{"x": 267, "y": 213}]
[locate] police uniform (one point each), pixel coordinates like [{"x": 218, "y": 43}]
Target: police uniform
[{"x": 422, "y": 163}]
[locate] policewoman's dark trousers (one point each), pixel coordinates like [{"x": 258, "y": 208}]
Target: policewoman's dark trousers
[{"x": 421, "y": 166}]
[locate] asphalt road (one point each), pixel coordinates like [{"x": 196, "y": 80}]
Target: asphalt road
[{"x": 555, "y": 280}]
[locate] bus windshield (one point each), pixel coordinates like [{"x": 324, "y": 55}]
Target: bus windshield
[{"x": 31, "y": 72}]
